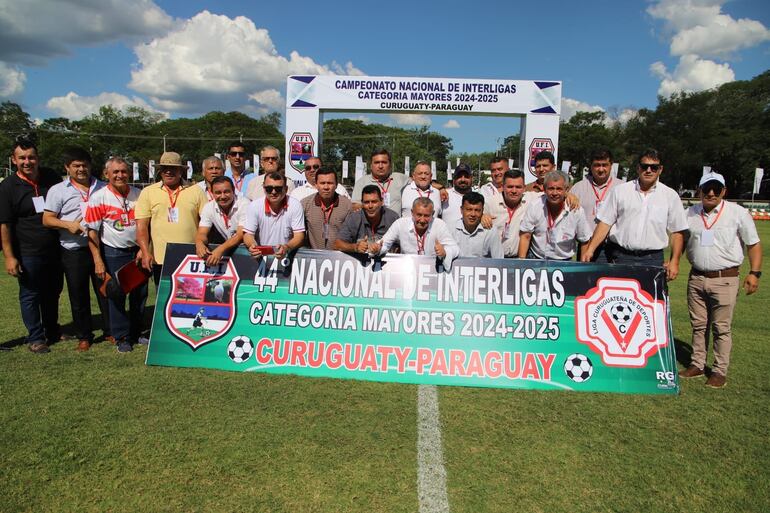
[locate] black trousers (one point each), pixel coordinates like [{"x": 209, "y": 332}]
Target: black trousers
[{"x": 78, "y": 268}]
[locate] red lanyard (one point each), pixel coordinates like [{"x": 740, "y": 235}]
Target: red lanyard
[
  {"x": 120, "y": 197},
  {"x": 208, "y": 193},
  {"x": 327, "y": 212},
  {"x": 599, "y": 199},
  {"x": 225, "y": 217},
  {"x": 420, "y": 191},
  {"x": 30, "y": 182},
  {"x": 420, "y": 242},
  {"x": 706, "y": 225},
  {"x": 173, "y": 197},
  {"x": 83, "y": 197},
  {"x": 551, "y": 221},
  {"x": 511, "y": 213},
  {"x": 385, "y": 189}
]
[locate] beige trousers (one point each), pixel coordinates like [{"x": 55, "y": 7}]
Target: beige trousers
[{"x": 712, "y": 301}]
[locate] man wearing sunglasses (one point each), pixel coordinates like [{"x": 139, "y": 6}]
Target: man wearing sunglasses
[
  {"x": 269, "y": 162},
  {"x": 312, "y": 165},
  {"x": 638, "y": 216},
  {"x": 276, "y": 220},
  {"x": 718, "y": 231},
  {"x": 236, "y": 156}
]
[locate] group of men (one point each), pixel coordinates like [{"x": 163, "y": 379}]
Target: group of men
[{"x": 86, "y": 230}]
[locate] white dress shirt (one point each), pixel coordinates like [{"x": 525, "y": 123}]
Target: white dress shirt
[
  {"x": 730, "y": 226},
  {"x": 556, "y": 242},
  {"x": 411, "y": 192},
  {"x": 403, "y": 232},
  {"x": 479, "y": 243},
  {"x": 591, "y": 196},
  {"x": 507, "y": 221}
]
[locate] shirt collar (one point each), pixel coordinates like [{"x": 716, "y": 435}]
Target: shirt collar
[
  {"x": 281, "y": 209},
  {"x": 335, "y": 203}
]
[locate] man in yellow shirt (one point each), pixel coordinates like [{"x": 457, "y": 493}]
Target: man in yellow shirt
[{"x": 167, "y": 211}]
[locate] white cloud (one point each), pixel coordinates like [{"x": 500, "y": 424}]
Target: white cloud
[
  {"x": 625, "y": 115},
  {"x": 363, "y": 119},
  {"x": 410, "y": 119},
  {"x": 11, "y": 81},
  {"x": 699, "y": 27},
  {"x": 691, "y": 75},
  {"x": 74, "y": 107},
  {"x": 215, "y": 61},
  {"x": 570, "y": 107},
  {"x": 452, "y": 123},
  {"x": 32, "y": 31}
]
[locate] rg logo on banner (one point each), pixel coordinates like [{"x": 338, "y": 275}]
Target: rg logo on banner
[
  {"x": 621, "y": 322},
  {"x": 201, "y": 306}
]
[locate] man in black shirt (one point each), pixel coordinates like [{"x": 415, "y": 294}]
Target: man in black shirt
[{"x": 31, "y": 250}]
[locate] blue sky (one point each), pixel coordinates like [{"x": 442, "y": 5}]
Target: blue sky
[{"x": 63, "y": 58}]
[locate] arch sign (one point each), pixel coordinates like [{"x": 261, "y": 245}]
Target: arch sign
[{"x": 307, "y": 96}]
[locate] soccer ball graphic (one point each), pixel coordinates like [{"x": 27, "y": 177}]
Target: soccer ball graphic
[
  {"x": 240, "y": 348},
  {"x": 621, "y": 313},
  {"x": 578, "y": 368}
]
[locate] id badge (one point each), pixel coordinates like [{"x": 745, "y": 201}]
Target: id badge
[
  {"x": 39, "y": 203},
  {"x": 173, "y": 215},
  {"x": 386, "y": 199},
  {"x": 707, "y": 238},
  {"x": 124, "y": 219},
  {"x": 326, "y": 231}
]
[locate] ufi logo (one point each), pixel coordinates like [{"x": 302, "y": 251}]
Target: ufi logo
[{"x": 621, "y": 322}]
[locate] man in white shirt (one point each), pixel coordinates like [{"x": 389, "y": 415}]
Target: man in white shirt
[
  {"x": 462, "y": 181},
  {"x": 549, "y": 229},
  {"x": 507, "y": 210},
  {"x": 718, "y": 231},
  {"x": 276, "y": 221},
  {"x": 472, "y": 238},
  {"x": 223, "y": 214},
  {"x": 65, "y": 208},
  {"x": 212, "y": 168},
  {"x": 638, "y": 216},
  {"x": 420, "y": 235},
  {"x": 498, "y": 166},
  {"x": 269, "y": 162},
  {"x": 420, "y": 188},
  {"x": 312, "y": 165},
  {"x": 390, "y": 183},
  {"x": 593, "y": 190}
]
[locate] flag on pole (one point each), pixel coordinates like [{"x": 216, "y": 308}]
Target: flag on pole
[
  {"x": 135, "y": 166},
  {"x": 433, "y": 173},
  {"x": 151, "y": 170},
  {"x": 759, "y": 173},
  {"x": 407, "y": 171},
  {"x": 189, "y": 170},
  {"x": 359, "y": 167},
  {"x": 614, "y": 170},
  {"x": 510, "y": 163},
  {"x": 449, "y": 172},
  {"x": 565, "y": 165},
  {"x": 345, "y": 165}
]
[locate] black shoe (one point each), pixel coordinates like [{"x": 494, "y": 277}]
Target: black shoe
[
  {"x": 39, "y": 348},
  {"x": 124, "y": 346}
]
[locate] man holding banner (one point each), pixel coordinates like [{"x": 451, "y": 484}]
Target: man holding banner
[
  {"x": 367, "y": 225},
  {"x": 718, "y": 231},
  {"x": 223, "y": 214}
]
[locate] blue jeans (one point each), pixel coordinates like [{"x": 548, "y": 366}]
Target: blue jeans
[
  {"x": 123, "y": 325},
  {"x": 40, "y": 285}
]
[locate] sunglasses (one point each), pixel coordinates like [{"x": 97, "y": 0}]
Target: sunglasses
[
  {"x": 270, "y": 159},
  {"x": 715, "y": 187},
  {"x": 654, "y": 167},
  {"x": 237, "y": 153},
  {"x": 273, "y": 189},
  {"x": 313, "y": 167}
]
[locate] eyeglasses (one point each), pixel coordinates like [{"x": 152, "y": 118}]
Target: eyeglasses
[
  {"x": 654, "y": 167},
  {"x": 270, "y": 159},
  {"x": 273, "y": 189},
  {"x": 312, "y": 168},
  {"x": 237, "y": 153}
]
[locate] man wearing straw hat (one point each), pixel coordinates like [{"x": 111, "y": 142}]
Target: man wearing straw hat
[{"x": 167, "y": 211}]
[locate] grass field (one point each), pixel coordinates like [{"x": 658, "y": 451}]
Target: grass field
[{"x": 100, "y": 431}]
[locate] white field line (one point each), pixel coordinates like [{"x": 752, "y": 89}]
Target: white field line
[{"x": 431, "y": 474}]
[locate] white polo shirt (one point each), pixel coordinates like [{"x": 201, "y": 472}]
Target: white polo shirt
[
  {"x": 555, "y": 241},
  {"x": 403, "y": 232},
  {"x": 69, "y": 204},
  {"x": 730, "y": 226},
  {"x": 490, "y": 192},
  {"x": 112, "y": 215},
  {"x": 592, "y": 196},
  {"x": 225, "y": 224},
  {"x": 451, "y": 208},
  {"x": 411, "y": 192},
  {"x": 640, "y": 222},
  {"x": 273, "y": 228},
  {"x": 507, "y": 221}
]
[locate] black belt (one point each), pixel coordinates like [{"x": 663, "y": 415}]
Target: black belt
[
  {"x": 640, "y": 252},
  {"x": 730, "y": 272}
]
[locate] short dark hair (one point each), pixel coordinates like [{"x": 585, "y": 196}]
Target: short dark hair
[
  {"x": 601, "y": 154},
  {"x": 371, "y": 189},
  {"x": 545, "y": 155},
  {"x": 649, "y": 153},
  {"x": 473, "y": 198},
  {"x": 325, "y": 171},
  {"x": 222, "y": 179},
  {"x": 236, "y": 144},
  {"x": 513, "y": 174},
  {"x": 381, "y": 151},
  {"x": 74, "y": 153},
  {"x": 495, "y": 160},
  {"x": 275, "y": 175},
  {"x": 24, "y": 142}
]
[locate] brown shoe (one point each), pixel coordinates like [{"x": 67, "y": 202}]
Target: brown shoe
[
  {"x": 83, "y": 345},
  {"x": 691, "y": 372},
  {"x": 716, "y": 380},
  {"x": 39, "y": 347},
  {"x": 110, "y": 339}
]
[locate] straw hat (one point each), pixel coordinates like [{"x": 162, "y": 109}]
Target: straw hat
[{"x": 171, "y": 159}]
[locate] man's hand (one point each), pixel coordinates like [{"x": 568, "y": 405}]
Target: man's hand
[
  {"x": 99, "y": 269},
  {"x": 444, "y": 195},
  {"x": 281, "y": 250},
  {"x": 355, "y": 207},
  {"x": 255, "y": 252},
  {"x": 672, "y": 269},
  {"x": 214, "y": 257},
  {"x": 74, "y": 227},
  {"x": 572, "y": 201},
  {"x": 750, "y": 284},
  {"x": 12, "y": 266},
  {"x": 362, "y": 246},
  {"x": 440, "y": 251},
  {"x": 587, "y": 255},
  {"x": 202, "y": 250},
  {"x": 148, "y": 261},
  {"x": 487, "y": 221}
]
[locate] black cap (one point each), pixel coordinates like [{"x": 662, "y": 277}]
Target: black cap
[{"x": 462, "y": 168}]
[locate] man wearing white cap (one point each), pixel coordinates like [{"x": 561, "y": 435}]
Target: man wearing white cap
[{"x": 718, "y": 231}]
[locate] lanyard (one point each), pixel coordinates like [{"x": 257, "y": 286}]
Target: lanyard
[
  {"x": 385, "y": 189},
  {"x": 551, "y": 221},
  {"x": 30, "y": 182},
  {"x": 173, "y": 197},
  {"x": 225, "y": 217},
  {"x": 420, "y": 191},
  {"x": 83, "y": 197},
  {"x": 238, "y": 182},
  {"x": 120, "y": 197},
  {"x": 599, "y": 199},
  {"x": 327, "y": 212},
  {"x": 511, "y": 213},
  {"x": 420, "y": 242},
  {"x": 710, "y": 226},
  {"x": 208, "y": 193}
]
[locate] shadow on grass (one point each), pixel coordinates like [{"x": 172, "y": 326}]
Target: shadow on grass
[{"x": 683, "y": 352}]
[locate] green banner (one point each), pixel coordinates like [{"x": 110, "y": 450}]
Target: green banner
[{"x": 511, "y": 323}]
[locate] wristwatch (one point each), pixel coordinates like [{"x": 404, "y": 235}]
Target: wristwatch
[{"x": 758, "y": 274}]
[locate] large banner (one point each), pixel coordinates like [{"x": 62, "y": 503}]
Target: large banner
[{"x": 492, "y": 323}]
